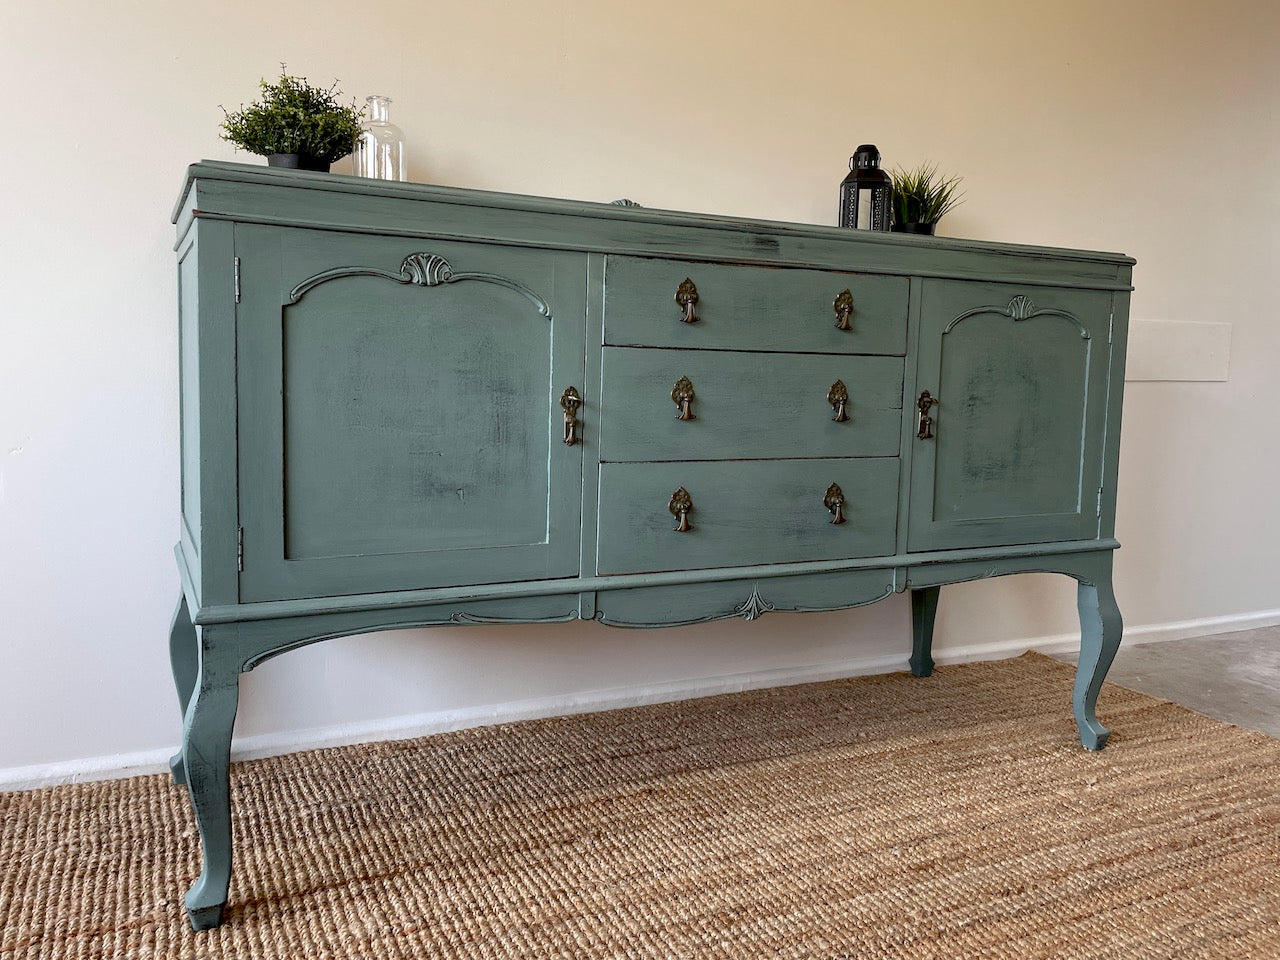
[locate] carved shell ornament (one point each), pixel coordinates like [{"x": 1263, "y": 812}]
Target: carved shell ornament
[
  {"x": 754, "y": 606},
  {"x": 423, "y": 270},
  {"x": 1020, "y": 307},
  {"x": 426, "y": 269}
]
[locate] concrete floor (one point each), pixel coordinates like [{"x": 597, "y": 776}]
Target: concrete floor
[{"x": 1231, "y": 676}]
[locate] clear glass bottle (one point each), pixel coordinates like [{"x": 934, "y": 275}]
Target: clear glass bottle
[{"x": 379, "y": 152}]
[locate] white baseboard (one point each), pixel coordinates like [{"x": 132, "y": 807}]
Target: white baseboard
[
  {"x": 1133, "y": 636},
  {"x": 115, "y": 766}
]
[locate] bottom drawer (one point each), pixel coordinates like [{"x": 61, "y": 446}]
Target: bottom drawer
[{"x": 744, "y": 512}]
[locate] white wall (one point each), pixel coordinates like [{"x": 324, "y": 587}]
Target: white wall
[{"x": 1145, "y": 127}]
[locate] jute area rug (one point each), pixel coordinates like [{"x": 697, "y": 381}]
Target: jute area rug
[{"x": 952, "y": 817}]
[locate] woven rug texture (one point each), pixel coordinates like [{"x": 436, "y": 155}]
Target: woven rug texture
[{"x": 949, "y": 817}]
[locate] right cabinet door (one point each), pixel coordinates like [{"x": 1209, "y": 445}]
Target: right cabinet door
[{"x": 1014, "y": 448}]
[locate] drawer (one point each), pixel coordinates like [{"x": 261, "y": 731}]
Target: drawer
[
  {"x": 747, "y": 405},
  {"x": 752, "y": 308},
  {"x": 744, "y": 513}
]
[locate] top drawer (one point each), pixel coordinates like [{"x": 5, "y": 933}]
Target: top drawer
[{"x": 752, "y": 308}]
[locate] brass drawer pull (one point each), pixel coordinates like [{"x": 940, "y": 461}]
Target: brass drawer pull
[
  {"x": 834, "y": 502},
  {"x": 682, "y": 396},
  {"x": 687, "y": 297},
  {"x": 838, "y": 397},
  {"x": 680, "y": 505},
  {"x": 570, "y": 401},
  {"x": 844, "y": 308},
  {"x": 924, "y": 430}
]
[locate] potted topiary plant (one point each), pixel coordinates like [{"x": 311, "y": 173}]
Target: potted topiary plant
[
  {"x": 921, "y": 197},
  {"x": 295, "y": 124}
]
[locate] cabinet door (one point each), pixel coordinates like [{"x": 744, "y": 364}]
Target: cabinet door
[
  {"x": 1020, "y": 376},
  {"x": 399, "y": 418}
]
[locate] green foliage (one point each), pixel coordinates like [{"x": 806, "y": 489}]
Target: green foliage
[
  {"x": 295, "y": 117},
  {"x": 921, "y": 196}
]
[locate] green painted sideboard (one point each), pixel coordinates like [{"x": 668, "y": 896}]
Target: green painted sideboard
[{"x": 406, "y": 405}]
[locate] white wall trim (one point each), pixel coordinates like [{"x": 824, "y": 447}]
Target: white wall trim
[{"x": 115, "y": 766}]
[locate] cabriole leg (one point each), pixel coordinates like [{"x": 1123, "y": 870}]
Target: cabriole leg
[
  {"x": 184, "y": 659},
  {"x": 924, "y": 606},
  {"x": 1100, "y": 630},
  {"x": 206, "y": 748}
]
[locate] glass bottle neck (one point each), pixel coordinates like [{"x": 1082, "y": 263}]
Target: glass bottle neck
[{"x": 377, "y": 107}]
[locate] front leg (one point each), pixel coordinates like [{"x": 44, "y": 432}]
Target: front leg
[
  {"x": 924, "y": 607},
  {"x": 206, "y": 752},
  {"x": 1100, "y": 631},
  {"x": 184, "y": 659}
]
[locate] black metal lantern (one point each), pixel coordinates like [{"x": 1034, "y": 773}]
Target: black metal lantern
[{"x": 866, "y": 193}]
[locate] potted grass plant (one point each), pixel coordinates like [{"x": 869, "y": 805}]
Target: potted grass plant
[
  {"x": 921, "y": 197},
  {"x": 295, "y": 124}
]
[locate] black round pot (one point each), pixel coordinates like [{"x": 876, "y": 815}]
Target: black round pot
[
  {"x": 297, "y": 161},
  {"x": 925, "y": 228}
]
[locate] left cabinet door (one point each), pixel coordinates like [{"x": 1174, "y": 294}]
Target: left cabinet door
[{"x": 398, "y": 412}]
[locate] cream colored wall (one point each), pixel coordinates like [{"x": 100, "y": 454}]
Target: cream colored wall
[{"x": 1149, "y": 128}]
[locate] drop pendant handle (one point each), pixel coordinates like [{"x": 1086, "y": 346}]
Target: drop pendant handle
[
  {"x": 838, "y": 397},
  {"x": 570, "y": 401},
  {"x": 680, "y": 506},
  {"x": 687, "y": 298},
  {"x": 834, "y": 502},
  {"x": 843, "y": 305},
  {"x": 924, "y": 427},
  {"x": 682, "y": 396}
]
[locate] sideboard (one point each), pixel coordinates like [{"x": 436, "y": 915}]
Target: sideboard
[{"x": 405, "y": 405}]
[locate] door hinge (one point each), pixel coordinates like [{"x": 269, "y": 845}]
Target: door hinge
[
  {"x": 1099, "y": 501},
  {"x": 240, "y": 549},
  {"x": 236, "y": 272}
]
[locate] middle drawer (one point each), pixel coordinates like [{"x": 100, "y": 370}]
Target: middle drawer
[{"x": 747, "y": 405}]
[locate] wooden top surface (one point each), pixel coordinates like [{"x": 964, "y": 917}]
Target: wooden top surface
[{"x": 342, "y": 184}]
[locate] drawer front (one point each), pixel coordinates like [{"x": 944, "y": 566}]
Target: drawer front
[
  {"x": 748, "y": 405},
  {"x": 752, "y": 308},
  {"x": 744, "y": 513}
]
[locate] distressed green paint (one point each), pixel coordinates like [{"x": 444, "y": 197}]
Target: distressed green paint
[
  {"x": 1101, "y": 627},
  {"x": 246, "y": 193},
  {"x": 400, "y": 409},
  {"x": 208, "y": 411},
  {"x": 758, "y": 511},
  {"x": 206, "y": 759},
  {"x": 189, "y": 383},
  {"x": 749, "y": 405},
  {"x": 371, "y": 438},
  {"x": 184, "y": 661},
  {"x": 1022, "y": 404},
  {"x": 741, "y": 308},
  {"x": 373, "y": 606},
  {"x": 924, "y": 609},
  {"x": 702, "y": 602}
]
